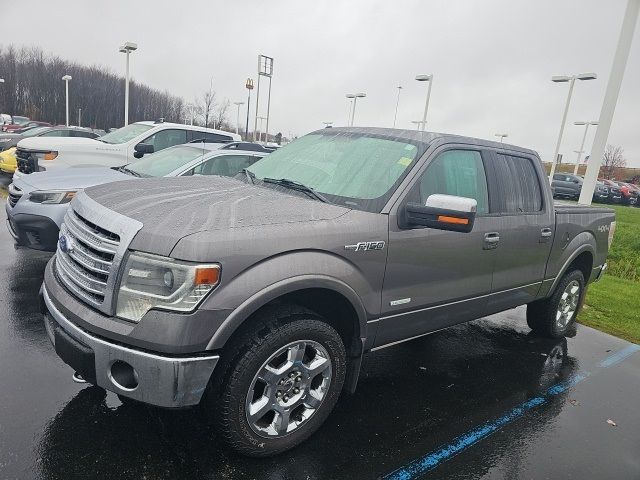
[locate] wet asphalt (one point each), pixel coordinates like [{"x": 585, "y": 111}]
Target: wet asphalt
[{"x": 482, "y": 400}]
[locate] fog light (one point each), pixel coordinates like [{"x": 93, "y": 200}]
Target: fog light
[{"x": 123, "y": 375}]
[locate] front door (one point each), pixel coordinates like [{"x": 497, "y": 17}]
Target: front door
[{"x": 435, "y": 278}]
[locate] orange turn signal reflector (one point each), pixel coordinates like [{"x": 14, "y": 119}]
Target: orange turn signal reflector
[
  {"x": 456, "y": 220},
  {"x": 207, "y": 276},
  {"x": 50, "y": 155}
]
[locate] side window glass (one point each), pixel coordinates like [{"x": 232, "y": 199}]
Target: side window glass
[
  {"x": 210, "y": 137},
  {"x": 225, "y": 165},
  {"x": 56, "y": 133},
  {"x": 456, "y": 172},
  {"x": 166, "y": 138},
  {"x": 519, "y": 185}
]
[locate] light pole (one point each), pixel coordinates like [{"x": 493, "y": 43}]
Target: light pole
[
  {"x": 395, "y": 115},
  {"x": 501, "y": 135},
  {"x": 238, "y": 116},
  {"x": 66, "y": 79},
  {"x": 425, "y": 78},
  {"x": 417, "y": 123},
  {"x": 249, "y": 86},
  {"x": 127, "y": 48},
  {"x": 260, "y": 129},
  {"x": 572, "y": 80},
  {"x": 265, "y": 69},
  {"x": 584, "y": 137},
  {"x": 355, "y": 97}
]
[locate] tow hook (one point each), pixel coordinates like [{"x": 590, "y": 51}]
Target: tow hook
[{"x": 78, "y": 378}]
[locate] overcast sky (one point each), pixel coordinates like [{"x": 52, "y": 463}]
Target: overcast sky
[{"x": 492, "y": 60}]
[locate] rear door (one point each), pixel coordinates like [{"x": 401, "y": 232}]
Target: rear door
[{"x": 526, "y": 221}]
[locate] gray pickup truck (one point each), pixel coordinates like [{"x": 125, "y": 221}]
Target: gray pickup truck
[{"x": 256, "y": 296}]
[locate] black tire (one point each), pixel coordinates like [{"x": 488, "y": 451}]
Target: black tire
[
  {"x": 275, "y": 329},
  {"x": 541, "y": 315}
]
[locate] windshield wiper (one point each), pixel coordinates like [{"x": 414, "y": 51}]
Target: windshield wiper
[
  {"x": 129, "y": 172},
  {"x": 285, "y": 182},
  {"x": 250, "y": 175}
]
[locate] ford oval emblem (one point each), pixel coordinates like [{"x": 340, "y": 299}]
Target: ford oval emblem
[{"x": 65, "y": 244}]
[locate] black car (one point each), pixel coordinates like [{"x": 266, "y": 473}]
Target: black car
[
  {"x": 10, "y": 140},
  {"x": 601, "y": 193},
  {"x": 566, "y": 185}
]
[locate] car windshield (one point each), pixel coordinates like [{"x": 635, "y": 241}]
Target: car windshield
[
  {"x": 32, "y": 132},
  {"x": 353, "y": 169},
  {"x": 20, "y": 120},
  {"x": 165, "y": 161},
  {"x": 124, "y": 134}
]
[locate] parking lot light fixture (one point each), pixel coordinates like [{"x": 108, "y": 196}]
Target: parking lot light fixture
[
  {"x": 501, "y": 135},
  {"x": 584, "y": 137},
  {"x": 355, "y": 97},
  {"x": 395, "y": 115},
  {"x": 417, "y": 123},
  {"x": 66, "y": 79},
  {"x": 238, "y": 104},
  {"x": 571, "y": 79},
  {"x": 127, "y": 48},
  {"x": 425, "y": 78}
]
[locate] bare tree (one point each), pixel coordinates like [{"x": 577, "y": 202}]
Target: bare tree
[
  {"x": 613, "y": 159},
  {"x": 207, "y": 104},
  {"x": 220, "y": 116}
]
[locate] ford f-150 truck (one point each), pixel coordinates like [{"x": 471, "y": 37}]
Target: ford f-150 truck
[{"x": 256, "y": 296}]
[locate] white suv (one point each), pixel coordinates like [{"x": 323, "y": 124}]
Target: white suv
[{"x": 119, "y": 147}]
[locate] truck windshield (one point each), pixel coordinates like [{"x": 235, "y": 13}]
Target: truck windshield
[
  {"x": 357, "y": 170},
  {"x": 165, "y": 161},
  {"x": 124, "y": 134}
]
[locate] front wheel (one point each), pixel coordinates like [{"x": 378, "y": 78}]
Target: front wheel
[
  {"x": 553, "y": 316},
  {"x": 282, "y": 384}
]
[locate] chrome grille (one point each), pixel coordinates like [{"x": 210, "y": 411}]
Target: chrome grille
[
  {"x": 14, "y": 195},
  {"x": 87, "y": 261}
]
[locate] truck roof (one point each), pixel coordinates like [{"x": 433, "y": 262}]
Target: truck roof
[{"x": 425, "y": 138}]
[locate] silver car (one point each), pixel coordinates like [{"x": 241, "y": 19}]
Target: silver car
[{"x": 37, "y": 203}]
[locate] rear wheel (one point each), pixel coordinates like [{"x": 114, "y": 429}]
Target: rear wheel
[
  {"x": 553, "y": 316},
  {"x": 281, "y": 384}
]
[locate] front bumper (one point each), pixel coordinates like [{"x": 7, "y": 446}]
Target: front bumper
[
  {"x": 33, "y": 231},
  {"x": 165, "y": 381}
]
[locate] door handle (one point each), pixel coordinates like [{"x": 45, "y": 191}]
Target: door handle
[
  {"x": 545, "y": 234},
  {"x": 491, "y": 240}
]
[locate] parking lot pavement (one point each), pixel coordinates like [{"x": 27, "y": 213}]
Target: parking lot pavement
[{"x": 482, "y": 400}]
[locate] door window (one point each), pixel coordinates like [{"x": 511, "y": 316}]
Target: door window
[
  {"x": 166, "y": 138},
  {"x": 225, "y": 165},
  {"x": 456, "y": 172},
  {"x": 518, "y": 183},
  {"x": 210, "y": 137},
  {"x": 56, "y": 133}
]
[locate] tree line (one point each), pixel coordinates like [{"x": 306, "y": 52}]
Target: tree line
[{"x": 33, "y": 87}]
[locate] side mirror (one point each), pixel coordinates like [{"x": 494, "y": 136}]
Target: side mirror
[
  {"x": 141, "y": 149},
  {"x": 444, "y": 212}
]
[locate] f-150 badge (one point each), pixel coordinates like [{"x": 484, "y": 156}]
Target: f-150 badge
[{"x": 364, "y": 246}]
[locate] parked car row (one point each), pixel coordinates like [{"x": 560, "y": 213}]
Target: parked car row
[{"x": 566, "y": 185}]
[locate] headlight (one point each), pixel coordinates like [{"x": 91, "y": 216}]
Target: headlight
[
  {"x": 46, "y": 155},
  {"x": 53, "y": 196},
  {"x": 152, "y": 281}
]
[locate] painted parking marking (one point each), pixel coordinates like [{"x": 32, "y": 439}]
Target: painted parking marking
[{"x": 431, "y": 460}]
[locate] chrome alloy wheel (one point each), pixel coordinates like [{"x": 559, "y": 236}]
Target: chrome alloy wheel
[
  {"x": 288, "y": 389},
  {"x": 568, "y": 304}
]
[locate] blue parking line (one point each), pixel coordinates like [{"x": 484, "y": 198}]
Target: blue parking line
[{"x": 430, "y": 461}]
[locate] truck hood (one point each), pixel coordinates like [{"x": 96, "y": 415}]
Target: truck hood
[
  {"x": 69, "y": 179},
  {"x": 62, "y": 143},
  {"x": 173, "y": 208}
]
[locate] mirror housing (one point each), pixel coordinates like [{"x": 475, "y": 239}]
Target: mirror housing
[
  {"x": 142, "y": 149},
  {"x": 443, "y": 212}
]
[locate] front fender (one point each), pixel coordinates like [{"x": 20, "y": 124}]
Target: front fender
[{"x": 287, "y": 273}]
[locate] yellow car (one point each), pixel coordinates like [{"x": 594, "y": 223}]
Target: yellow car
[{"x": 8, "y": 162}]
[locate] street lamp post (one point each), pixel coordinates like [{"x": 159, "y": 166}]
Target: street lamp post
[
  {"x": 355, "y": 97},
  {"x": 425, "y": 78},
  {"x": 66, "y": 79},
  {"x": 584, "y": 137},
  {"x": 238, "y": 116},
  {"x": 501, "y": 135},
  {"x": 417, "y": 123},
  {"x": 260, "y": 129},
  {"x": 395, "y": 115},
  {"x": 127, "y": 48},
  {"x": 572, "y": 80},
  {"x": 249, "y": 86}
]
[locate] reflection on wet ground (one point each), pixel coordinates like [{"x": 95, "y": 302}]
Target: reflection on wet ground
[{"x": 412, "y": 399}]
